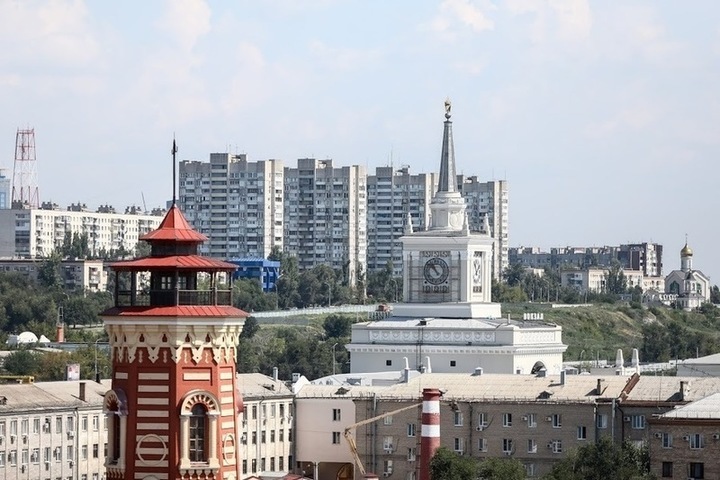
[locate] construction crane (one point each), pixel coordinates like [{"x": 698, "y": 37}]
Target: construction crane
[
  {"x": 17, "y": 378},
  {"x": 351, "y": 439}
]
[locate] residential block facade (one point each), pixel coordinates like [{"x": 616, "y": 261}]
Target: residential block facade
[
  {"x": 326, "y": 215},
  {"x": 236, "y": 203}
]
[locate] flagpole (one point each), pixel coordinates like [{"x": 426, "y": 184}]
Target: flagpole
[{"x": 174, "y": 186}]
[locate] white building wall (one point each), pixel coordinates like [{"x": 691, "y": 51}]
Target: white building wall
[{"x": 315, "y": 427}]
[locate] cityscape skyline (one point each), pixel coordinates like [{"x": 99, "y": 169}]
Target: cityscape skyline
[{"x": 542, "y": 93}]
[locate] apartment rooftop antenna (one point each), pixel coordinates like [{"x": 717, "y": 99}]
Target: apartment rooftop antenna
[{"x": 25, "y": 178}]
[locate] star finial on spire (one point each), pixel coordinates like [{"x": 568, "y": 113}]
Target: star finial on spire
[{"x": 448, "y": 107}]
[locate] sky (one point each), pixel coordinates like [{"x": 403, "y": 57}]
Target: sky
[{"x": 603, "y": 116}]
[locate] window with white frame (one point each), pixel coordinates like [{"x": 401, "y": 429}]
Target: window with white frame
[
  {"x": 482, "y": 444},
  {"x": 387, "y": 420},
  {"x": 667, "y": 440},
  {"x": 388, "y": 444},
  {"x": 336, "y": 438},
  {"x": 336, "y": 414},
  {"x": 507, "y": 419},
  {"x": 410, "y": 429},
  {"x": 12, "y": 458},
  {"x": 411, "y": 454},
  {"x": 507, "y": 445},
  {"x": 459, "y": 444},
  {"x": 199, "y": 415},
  {"x": 35, "y": 455},
  {"x": 530, "y": 469},
  {"x": 410, "y": 476},
  {"x": 96, "y": 423},
  {"x": 36, "y": 425},
  {"x": 2, "y": 458},
  {"x": 387, "y": 467},
  {"x": 532, "y": 445},
  {"x": 531, "y": 420},
  {"x": 458, "y": 419},
  {"x": 638, "y": 422},
  {"x": 581, "y": 432},
  {"x": 602, "y": 420},
  {"x": 556, "y": 420},
  {"x": 84, "y": 423},
  {"x": 482, "y": 419},
  {"x": 25, "y": 426},
  {"x": 556, "y": 446},
  {"x": 13, "y": 427},
  {"x": 697, "y": 441}
]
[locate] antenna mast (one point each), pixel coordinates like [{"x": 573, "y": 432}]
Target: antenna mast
[
  {"x": 174, "y": 151},
  {"x": 25, "y": 178}
]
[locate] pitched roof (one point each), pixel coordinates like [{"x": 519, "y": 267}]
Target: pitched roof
[
  {"x": 174, "y": 227},
  {"x": 192, "y": 262},
  {"x": 706, "y": 408},
  {"x": 46, "y": 396},
  {"x": 176, "y": 311}
]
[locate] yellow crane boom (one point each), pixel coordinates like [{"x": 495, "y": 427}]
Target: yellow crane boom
[{"x": 351, "y": 439}]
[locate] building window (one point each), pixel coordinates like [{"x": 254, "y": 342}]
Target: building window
[
  {"x": 36, "y": 425},
  {"x": 262, "y": 436},
  {"x": 507, "y": 445},
  {"x": 638, "y": 422},
  {"x": 482, "y": 420},
  {"x": 697, "y": 441},
  {"x": 411, "y": 454},
  {"x": 254, "y": 438},
  {"x": 387, "y": 467},
  {"x": 556, "y": 420},
  {"x": 388, "y": 363},
  {"x": 667, "y": 440},
  {"x": 336, "y": 414},
  {"x": 459, "y": 445},
  {"x": 482, "y": 444},
  {"x": 336, "y": 438},
  {"x": 507, "y": 419},
  {"x": 387, "y": 420},
  {"x": 531, "y": 420},
  {"x": 458, "y": 419},
  {"x": 581, "y": 433},
  {"x": 281, "y": 435},
  {"x": 697, "y": 470},
  {"x": 281, "y": 463},
  {"x": 410, "y": 429},
  {"x": 272, "y": 436},
  {"x": 199, "y": 414},
  {"x": 84, "y": 423},
  {"x": 530, "y": 469},
  {"x": 453, "y": 363},
  {"x": 272, "y": 464},
  {"x": 556, "y": 446},
  {"x": 198, "y": 433},
  {"x": 96, "y": 423},
  {"x": 667, "y": 469},
  {"x": 96, "y": 450},
  {"x": 602, "y": 420},
  {"x": 532, "y": 445},
  {"x": 254, "y": 465},
  {"x": 254, "y": 412},
  {"x": 84, "y": 452}
]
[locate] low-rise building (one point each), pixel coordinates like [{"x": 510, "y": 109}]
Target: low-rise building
[
  {"x": 684, "y": 441},
  {"x": 266, "y": 436},
  {"x": 83, "y": 275},
  {"x": 53, "y": 430}
]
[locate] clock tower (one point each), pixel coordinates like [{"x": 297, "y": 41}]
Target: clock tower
[{"x": 446, "y": 267}]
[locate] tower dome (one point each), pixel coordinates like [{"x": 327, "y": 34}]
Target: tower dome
[{"x": 686, "y": 251}]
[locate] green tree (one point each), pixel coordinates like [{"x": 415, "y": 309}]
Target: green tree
[
  {"x": 615, "y": 280},
  {"x": 448, "y": 465},
  {"x": 514, "y": 274},
  {"x": 250, "y": 328},
  {"x": 337, "y": 326},
  {"x": 715, "y": 294},
  {"x": 603, "y": 460},
  {"x": 502, "y": 469},
  {"x": 48, "y": 274},
  {"x": 21, "y": 362}
]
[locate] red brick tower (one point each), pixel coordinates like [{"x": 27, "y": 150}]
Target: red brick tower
[{"x": 173, "y": 332}]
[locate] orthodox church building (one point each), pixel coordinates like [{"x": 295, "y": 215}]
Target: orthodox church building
[
  {"x": 692, "y": 287},
  {"x": 449, "y": 323}
]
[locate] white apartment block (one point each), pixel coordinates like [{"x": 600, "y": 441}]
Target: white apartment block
[
  {"x": 53, "y": 430},
  {"x": 326, "y": 215},
  {"x": 236, "y": 203},
  {"x": 266, "y": 436},
  {"x": 84, "y": 275},
  {"x": 36, "y": 233},
  {"x": 594, "y": 279},
  {"x": 393, "y": 194},
  {"x": 489, "y": 199}
]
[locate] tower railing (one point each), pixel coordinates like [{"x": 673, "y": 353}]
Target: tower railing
[{"x": 170, "y": 298}]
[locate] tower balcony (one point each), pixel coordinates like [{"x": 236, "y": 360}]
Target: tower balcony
[{"x": 171, "y": 298}]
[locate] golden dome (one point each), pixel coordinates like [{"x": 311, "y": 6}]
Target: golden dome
[{"x": 686, "y": 251}]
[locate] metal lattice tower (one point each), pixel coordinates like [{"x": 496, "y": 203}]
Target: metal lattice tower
[{"x": 25, "y": 192}]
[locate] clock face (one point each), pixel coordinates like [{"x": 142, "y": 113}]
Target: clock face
[{"x": 436, "y": 271}]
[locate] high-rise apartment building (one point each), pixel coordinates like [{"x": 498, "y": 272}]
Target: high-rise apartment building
[
  {"x": 5, "y": 191},
  {"x": 37, "y": 232},
  {"x": 326, "y": 215},
  {"x": 236, "y": 203},
  {"x": 393, "y": 194},
  {"x": 489, "y": 200}
]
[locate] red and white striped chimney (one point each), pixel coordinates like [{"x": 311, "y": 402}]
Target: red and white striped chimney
[{"x": 430, "y": 435}]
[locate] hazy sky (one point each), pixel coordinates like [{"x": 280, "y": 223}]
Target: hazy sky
[{"x": 604, "y": 116}]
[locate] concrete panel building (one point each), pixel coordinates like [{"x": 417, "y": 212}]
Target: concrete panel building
[
  {"x": 326, "y": 215},
  {"x": 393, "y": 194},
  {"x": 236, "y": 203},
  {"x": 83, "y": 275}
]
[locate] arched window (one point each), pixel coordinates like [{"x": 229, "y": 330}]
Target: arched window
[
  {"x": 115, "y": 408},
  {"x": 199, "y": 414},
  {"x": 198, "y": 433}
]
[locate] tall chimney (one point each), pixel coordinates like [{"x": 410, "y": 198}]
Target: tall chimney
[
  {"x": 430, "y": 435},
  {"x": 60, "y": 333},
  {"x": 82, "y": 391},
  {"x": 275, "y": 373}
]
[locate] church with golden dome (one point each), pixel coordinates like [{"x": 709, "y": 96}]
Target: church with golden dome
[{"x": 691, "y": 286}]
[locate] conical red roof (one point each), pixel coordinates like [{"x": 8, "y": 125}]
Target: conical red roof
[{"x": 174, "y": 227}]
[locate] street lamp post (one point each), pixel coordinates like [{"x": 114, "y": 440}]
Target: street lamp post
[
  {"x": 97, "y": 374},
  {"x": 333, "y": 356}
]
